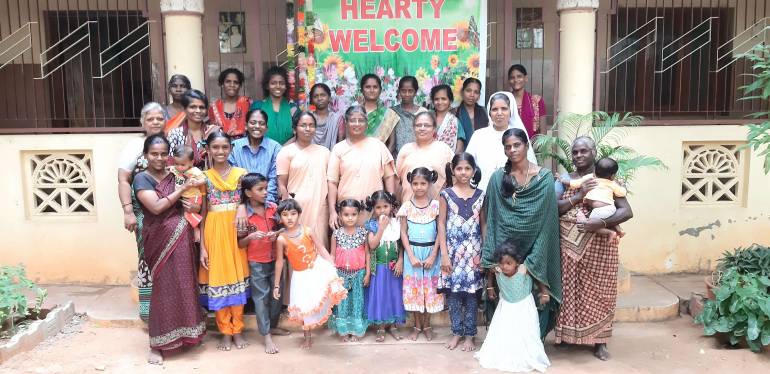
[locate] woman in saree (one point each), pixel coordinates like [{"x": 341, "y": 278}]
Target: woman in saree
[
  {"x": 589, "y": 261},
  {"x": 399, "y": 119},
  {"x": 371, "y": 86},
  {"x": 521, "y": 208},
  {"x": 358, "y": 166},
  {"x": 302, "y": 174},
  {"x": 279, "y": 109},
  {"x": 427, "y": 152},
  {"x": 530, "y": 107},
  {"x": 229, "y": 112},
  {"x": 175, "y": 318},
  {"x": 131, "y": 163},
  {"x": 471, "y": 115},
  {"x": 178, "y": 84},
  {"x": 193, "y": 130}
]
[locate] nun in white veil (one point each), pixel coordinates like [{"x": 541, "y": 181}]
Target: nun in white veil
[{"x": 486, "y": 145}]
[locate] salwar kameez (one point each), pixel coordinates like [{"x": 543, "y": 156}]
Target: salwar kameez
[{"x": 225, "y": 284}]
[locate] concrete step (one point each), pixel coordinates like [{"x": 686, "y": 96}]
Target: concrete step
[
  {"x": 646, "y": 301},
  {"x": 687, "y": 287}
]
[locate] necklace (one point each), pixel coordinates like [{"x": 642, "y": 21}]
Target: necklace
[
  {"x": 515, "y": 189},
  {"x": 299, "y": 232}
]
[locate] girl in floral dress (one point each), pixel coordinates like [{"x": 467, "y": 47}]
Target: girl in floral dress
[
  {"x": 460, "y": 228},
  {"x": 351, "y": 258},
  {"x": 422, "y": 268}
]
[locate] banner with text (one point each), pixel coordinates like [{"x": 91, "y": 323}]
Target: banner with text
[{"x": 337, "y": 42}]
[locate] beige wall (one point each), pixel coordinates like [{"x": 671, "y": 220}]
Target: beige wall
[
  {"x": 661, "y": 238},
  {"x": 666, "y": 236},
  {"x": 84, "y": 249}
]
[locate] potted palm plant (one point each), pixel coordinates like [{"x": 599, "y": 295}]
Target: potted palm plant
[{"x": 607, "y": 130}]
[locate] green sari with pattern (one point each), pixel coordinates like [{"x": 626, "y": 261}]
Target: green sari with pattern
[{"x": 531, "y": 220}]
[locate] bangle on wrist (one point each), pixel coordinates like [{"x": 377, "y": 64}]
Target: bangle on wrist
[
  {"x": 604, "y": 222},
  {"x": 126, "y": 204}
]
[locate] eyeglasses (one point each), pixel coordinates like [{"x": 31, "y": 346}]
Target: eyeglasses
[
  {"x": 423, "y": 125},
  {"x": 306, "y": 126}
]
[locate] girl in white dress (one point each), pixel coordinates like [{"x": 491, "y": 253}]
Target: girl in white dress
[{"x": 513, "y": 340}]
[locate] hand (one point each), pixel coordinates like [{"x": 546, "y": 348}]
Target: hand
[
  {"x": 276, "y": 293},
  {"x": 210, "y": 129},
  {"x": 334, "y": 221},
  {"x": 429, "y": 262},
  {"x": 257, "y": 235},
  {"x": 204, "y": 258},
  {"x": 592, "y": 225},
  {"x": 241, "y": 220},
  {"x": 446, "y": 267},
  {"x": 129, "y": 221},
  {"x": 398, "y": 269},
  {"x": 191, "y": 207},
  {"x": 188, "y": 184},
  {"x": 414, "y": 261},
  {"x": 271, "y": 235},
  {"x": 588, "y": 185},
  {"x": 544, "y": 299},
  {"x": 491, "y": 294},
  {"x": 382, "y": 222},
  {"x": 367, "y": 277}
]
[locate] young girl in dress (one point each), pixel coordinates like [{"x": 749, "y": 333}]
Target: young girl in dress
[
  {"x": 422, "y": 267},
  {"x": 461, "y": 225},
  {"x": 315, "y": 286},
  {"x": 224, "y": 271},
  {"x": 351, "y": 258},
  {"x": 384, "y": 306},
  {"x": 513, "y": 340}
]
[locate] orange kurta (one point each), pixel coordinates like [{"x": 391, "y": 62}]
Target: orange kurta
[
  {"x": 359, "y": 168},
  {"x": 306, "y": 170}
]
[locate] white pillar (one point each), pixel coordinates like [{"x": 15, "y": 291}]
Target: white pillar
[
  {"x": 183, "y": 37},
  {"x": 577, "y": 48}
]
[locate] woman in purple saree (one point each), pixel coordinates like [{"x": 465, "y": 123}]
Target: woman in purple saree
[{"x": 176, "y": 319}]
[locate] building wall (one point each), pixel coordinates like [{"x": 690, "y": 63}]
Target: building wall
[
  {"x": 68, "y": 248},
  {"x": 667, "y": 235}
]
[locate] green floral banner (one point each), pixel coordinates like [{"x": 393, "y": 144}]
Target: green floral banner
[{"x": 338, "y": 41}]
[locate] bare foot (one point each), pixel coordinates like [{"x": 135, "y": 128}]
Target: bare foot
[
  {"x": 279, "y": 331},
  {"x": 270, "y": 347},
  {"x": 470, "y": 344},
  {"x": 601, "y": 352},
  {"x": 226, "y": 343},
  {"x": 452, "y": 343},
  {"x": 380, "y": 336},
  {"x": 415, "y": 333},
  {"x": 306, "y": 343},
  {"x": 354, "y": 338},
  {"x": 155, "y": 357},
  {"x": 240, "y": 342},
  {"x": 393, "y": 331},
  {"x": 428, "y": 331},
  {"x": 345, "y": 338}
]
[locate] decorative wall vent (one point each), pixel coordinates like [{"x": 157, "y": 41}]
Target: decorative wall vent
[
  {"x": 60, "y": 183},
  {"x": 713, "y": 173}
]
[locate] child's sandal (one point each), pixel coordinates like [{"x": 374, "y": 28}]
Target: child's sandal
[
  {"x": 380, "y": 336},
  {"x": 428, "y": 331}
]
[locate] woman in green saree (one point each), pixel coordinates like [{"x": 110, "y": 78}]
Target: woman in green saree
[{"x": 521, "y": 208}]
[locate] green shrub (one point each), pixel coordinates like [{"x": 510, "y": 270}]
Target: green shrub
[
  {"x": 13, "y": 299},
  {"x": 753, "y": 259},
  {"x": 741, "y": 309}
]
